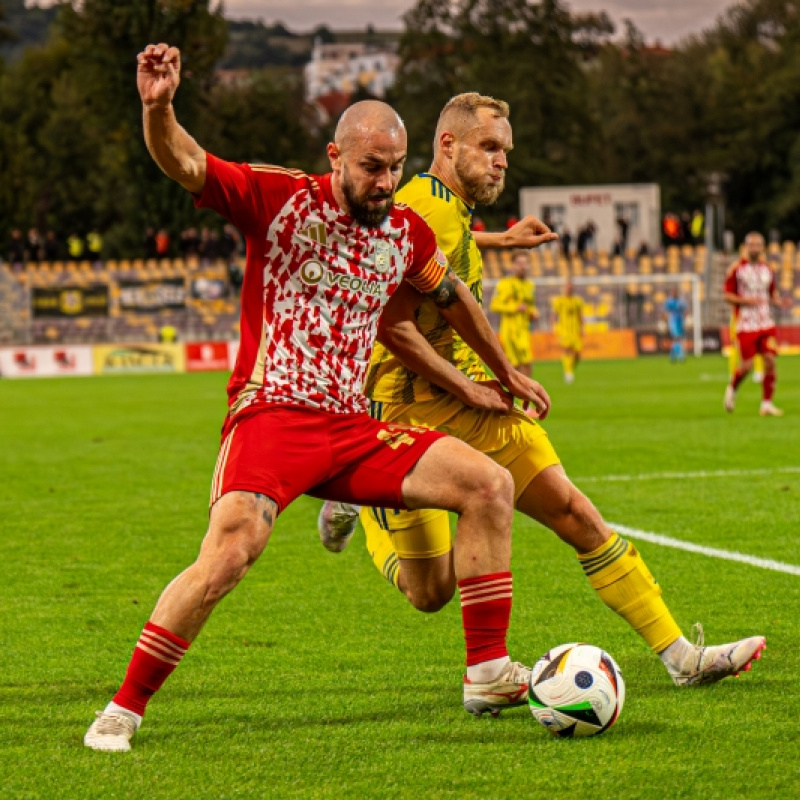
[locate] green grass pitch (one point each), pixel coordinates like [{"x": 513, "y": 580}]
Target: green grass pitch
[{"x": 316, "y": 679}]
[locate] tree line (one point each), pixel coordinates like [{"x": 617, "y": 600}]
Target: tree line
[{"x": 590, "y": 103}]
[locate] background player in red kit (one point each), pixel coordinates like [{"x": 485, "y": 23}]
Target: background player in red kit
[
  {"x": 750, "y": 288},
  {"x": 324, "y": 255}
]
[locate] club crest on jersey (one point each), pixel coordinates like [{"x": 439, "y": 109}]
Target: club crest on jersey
[{"x": 382, "y": 256}]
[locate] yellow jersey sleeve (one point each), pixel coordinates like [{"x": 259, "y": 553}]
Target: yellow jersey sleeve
[{"x": 388, "y": 381}]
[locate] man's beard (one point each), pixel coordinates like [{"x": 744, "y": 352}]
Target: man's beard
[
  {"x": 474, "y": 182},
  {"x": 370, "y": 216}
]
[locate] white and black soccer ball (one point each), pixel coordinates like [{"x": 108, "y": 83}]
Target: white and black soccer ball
[{"x": 576, "y": 690}]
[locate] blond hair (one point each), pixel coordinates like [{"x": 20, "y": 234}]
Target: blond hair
[{"x": 460, "y": 111}]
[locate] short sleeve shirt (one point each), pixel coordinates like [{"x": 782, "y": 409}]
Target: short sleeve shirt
[
  {"x": 752, "y": 281},
  {"x": 314, "y": 286}
]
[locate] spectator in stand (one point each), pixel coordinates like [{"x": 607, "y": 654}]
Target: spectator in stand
[
  {"x": 16, "y": 248},
  {"x": 478, "y": 225},
  {"x": 51, "y": 247},
  {"x": 624, "y": 226},
  {"x": 230, "y": 243},
  {"x": 162, "y": 244},
  {"x": 150, "y": 243},
  {"x": 75, "y": 247},
  {"x": 208, "y": 246},
  {"x": 617, "y": 249},
  {"x": 94, "y": 246},
  {"x": 643, "y": 250},
  {"x": 686, "y": 228},
  {"x": 566, "y": 242},
  {"x": 672, "y": 229},
  {"x": 584, "y": 235},
  {"x": 189, "y": 243},
  {"x": 698, "y": 227},
  {"x": 33, "y": 247}
]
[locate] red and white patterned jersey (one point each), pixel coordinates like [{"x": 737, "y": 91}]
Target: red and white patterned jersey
[
  {"x": 752, "y": 281},
  {"x": 314, "y": 284}
]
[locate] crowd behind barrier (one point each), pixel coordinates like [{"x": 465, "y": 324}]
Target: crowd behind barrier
[{"x": 195, "y": 297}]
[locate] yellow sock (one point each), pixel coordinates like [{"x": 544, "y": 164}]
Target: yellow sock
[
  {"x": 758, "y": 364},
  {"x": 380, "y": 546},
  {"x": 567, "y": 362},
  {"x": 618, "y": 574}
]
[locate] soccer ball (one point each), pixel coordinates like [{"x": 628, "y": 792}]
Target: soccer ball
[{"x": 576, "y": 690}]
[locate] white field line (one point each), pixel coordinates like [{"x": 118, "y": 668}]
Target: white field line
[
  {"x": 712, "y": 552},
  {"x": 660, "y": 476}
]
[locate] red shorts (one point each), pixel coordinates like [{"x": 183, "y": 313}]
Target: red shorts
[
  {"x": 286, "y": 451},
  {"x": 755, "y": 342}
]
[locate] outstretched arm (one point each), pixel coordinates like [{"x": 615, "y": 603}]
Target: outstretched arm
[
  {"x": 177, "y": 153},
  {"x": 528, "y": 232}
]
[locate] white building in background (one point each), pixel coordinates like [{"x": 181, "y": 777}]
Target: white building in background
[
  {"x": 347, "y": 67},
  {"x": 573, "y": 206}
]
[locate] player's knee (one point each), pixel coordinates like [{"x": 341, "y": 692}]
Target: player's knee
[
  {"x": 431, "y": 599},
  {"x": 495, "y": 490}
]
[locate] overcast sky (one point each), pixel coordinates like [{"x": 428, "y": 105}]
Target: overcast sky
[{"x": 667, "y": 21}]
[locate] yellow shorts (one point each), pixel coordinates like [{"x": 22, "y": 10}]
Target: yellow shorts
[
  {"x": 513, "y": 440},
  {"x": 517, "y": 348},
  {"x": 574, "y": 343}
]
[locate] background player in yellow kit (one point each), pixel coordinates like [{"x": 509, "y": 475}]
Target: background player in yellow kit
[
  {"x": 514, "y": 300},
  {"x": 568, "y": 324},
  {"x": 436, "y": 389}
]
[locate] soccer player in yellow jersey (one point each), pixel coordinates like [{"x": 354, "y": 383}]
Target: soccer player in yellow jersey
[
  {"x": 446, "y": 388},
  {"x": 568, "y": 319},
  {"x": 514, "y": 300}
]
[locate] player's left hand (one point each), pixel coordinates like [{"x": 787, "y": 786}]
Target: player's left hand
[
  {"x": 529, "y": 232},
  {"x": 530, "y": 392}
]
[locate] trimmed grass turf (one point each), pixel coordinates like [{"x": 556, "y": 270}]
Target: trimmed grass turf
[{"x": 316, "y": 679}]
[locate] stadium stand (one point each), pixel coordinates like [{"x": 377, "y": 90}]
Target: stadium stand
[{"x": 196, "y": 298}]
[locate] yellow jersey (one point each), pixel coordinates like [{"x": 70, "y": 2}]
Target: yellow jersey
[
  {"x": 388, "y": 381},
  {"x": 569, "y": 311}
]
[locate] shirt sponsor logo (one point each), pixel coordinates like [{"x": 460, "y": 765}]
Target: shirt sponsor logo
[{"x": 314, "y": 273}]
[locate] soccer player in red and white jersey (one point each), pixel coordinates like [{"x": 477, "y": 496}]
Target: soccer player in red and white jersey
[
  {"x": 750, "y": 289},
  {"x": 324, "y": 256}
]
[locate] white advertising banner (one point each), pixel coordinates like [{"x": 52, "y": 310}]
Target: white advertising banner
[{"x": 45, "y": 362}]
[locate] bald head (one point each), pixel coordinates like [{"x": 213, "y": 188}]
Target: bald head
[{"x": 363, "y": 120}]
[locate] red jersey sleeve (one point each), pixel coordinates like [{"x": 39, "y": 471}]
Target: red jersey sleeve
[
  {"x": 731, "y": 284},
  {"x": 248, "y": 196},
  {"x": 429, "y": 263}
]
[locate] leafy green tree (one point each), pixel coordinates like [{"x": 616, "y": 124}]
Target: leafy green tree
[{"x": 530, "y": 55}]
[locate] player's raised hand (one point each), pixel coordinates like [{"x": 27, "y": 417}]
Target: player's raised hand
[
  {"x": 158, "y": 74},
  {"x": 529, "y": 391},
  {"x": 529, "y": 232}
]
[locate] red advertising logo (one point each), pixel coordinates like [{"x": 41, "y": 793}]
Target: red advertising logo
[{"x": 207, "y": 357}]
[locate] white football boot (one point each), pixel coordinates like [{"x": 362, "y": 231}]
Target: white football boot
[
  {"x": 112, "y": 731},
  {"x": 711, "y": 664},
  {"x": 336, "y": 524},
  {"x": 730, "y": 398},
  {"x": 510, "y": 688},
  {"x": 769, "y": 410}
]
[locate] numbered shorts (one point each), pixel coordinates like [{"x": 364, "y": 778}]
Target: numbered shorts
[
  {"x": 513, "y": 440},
  {"x": 286, "y": 451},
  {"x": 757, "y": 343}
]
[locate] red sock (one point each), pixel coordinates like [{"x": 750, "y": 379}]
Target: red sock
[
  {"x": 738, "y": 377},
  {"x": 485, "y": 612},
  {"x": 155, "y": 656},
  {"x": 768, "y": 386}
]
